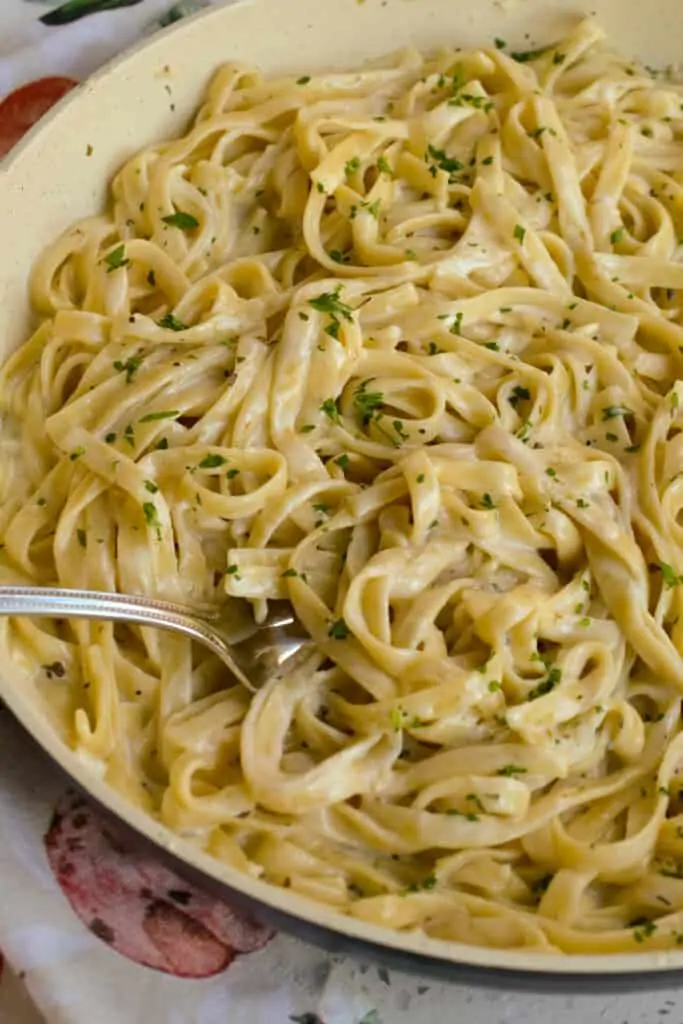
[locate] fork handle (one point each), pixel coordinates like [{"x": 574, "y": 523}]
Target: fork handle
[{"x": 94, "y": 604}]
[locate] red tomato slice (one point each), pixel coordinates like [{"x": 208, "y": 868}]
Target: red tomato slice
[{"x": 22, "y": 108}]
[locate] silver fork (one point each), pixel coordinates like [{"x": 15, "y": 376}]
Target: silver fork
[{"x": 251, "y": 651}]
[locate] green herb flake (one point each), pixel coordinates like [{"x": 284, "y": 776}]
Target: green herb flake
[
  {"x": 116, "y": 259},
  {"x": 670, "y": 576},
  {"x": 443, "y": 162},
  {"x": 525, "y": 56},
  {"x": 342, "y": 461},
  {"x": 487, "y": 502},
  {"x": 367, "y": 402},
  {"x": 547, "y": 685},
  {"x": 519, "y": 233},
  {"x": 289, "y": 573},
  {"x": 329, "y": 407},
  {"x": 212, "y": 461},
  {"x": 352, "y": 165},
  {"x": 149, "y": 510},
  {"x": 151, "y": 486},
  {"x": 510, "y": 770},
  {"x": 232, "y": 473},
  {"x": 130, "y": 367},
  {"x": 384, "y": 166},
  {"x": 82, "y": 538},
  {"x": 171, "y": 323},
  {"x": 304, "y": 80},
  {"x": 76, "y": 453},
  {"x": 617, "y": 235},
  {"x": 494, "y": 686},
  {"x": 182, "y": 220},
  {"x": 330, "y": 303},
  {"x": 519, "y": 394},
  {"x": 338, "y": 630}
]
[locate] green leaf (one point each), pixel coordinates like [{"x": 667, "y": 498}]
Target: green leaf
[
  {"x": 75, "y": 9},
  {"x": 445, "y": 163},
  {"x": 508, "y": 770},
  {"x": 329, "y": 407},
  {"x": 547, "y": 685},
  {"x": 338, "y": 630},
  {"x": 116, "y": 259},
  {"x": 130, "y": 367},
  {"x": 670, "y": 576},
  {"x": 330, "y": 303},
  {"x": 212, "y": 462},
  {"x": 367, "y": 402},
  {"x": 524, "y": 56},
  {"x": 182, "y": 220},
  {"x": 171, "y": 323}
]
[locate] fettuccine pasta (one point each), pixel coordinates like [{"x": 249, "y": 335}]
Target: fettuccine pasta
[{"x": 402, "y": 347}]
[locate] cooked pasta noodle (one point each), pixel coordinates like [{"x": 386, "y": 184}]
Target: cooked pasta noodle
[{"x": 400, "y": 346}]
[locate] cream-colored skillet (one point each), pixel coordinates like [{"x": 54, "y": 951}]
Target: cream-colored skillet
[{"x": 60, "y": 173}]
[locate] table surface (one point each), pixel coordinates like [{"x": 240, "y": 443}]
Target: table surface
[{"x": 56, "y": 969}]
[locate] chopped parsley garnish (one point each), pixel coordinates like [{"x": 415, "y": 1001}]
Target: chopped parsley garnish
[
  {"x": 487, "y": 502},
  {"x": 129, "y": 435},
  {"x": 509, "y": 770},
  {"x": 161, "y": 445},
  {"x": 149, "y": 510},
  {"x": 383, "y": 165},
  {"x": 644, "y": 928},
  {"x": 212, "y": 461},
  {"x": 110, "y": 437},
  {"x": 456, "y": 326},
  {"x": 182, "y": 220},
  {"x": 342, "y": 461},
  {"x": 76, "y": 453},
  {"x": 367, "y": 402},
  {"x": 551, "y": 472},
  {"x": 547, "y": 685},
  {"x": 330, "y": 303},
  {"x": 352, "y": 165},
  {"x": 494, "y": 686},
  {"x": 171, "y": 323},
  {"x": 338, "y": 630},
  {"x": 487, "y": 161},
  {"x": 500, "y": 44},
  {"x": 611, "y": 412},
  {"x": 232, "y": 473},
  {"x": 421, "y": 478},
  {"x": 443, "y": 162},
  {"x": 150, "y": 417},
  {"x": 151, "y": 486},
  {"x": 670, "y": 576},
  {"x": 616, "y": 236},
  {"x": 130, "y": 367},
  {"x": 304, "y": 80},
  {"x": 524, "y": 56},
  {"x": 116, "y": 259},
  {"x": 290, "y": 573},
  {"x": 581, "y": 503},
  {"x": 82, "y": 538},
  {"x": 519, "y": 394},
  {"x": 340, "y": 257},
  {"x": 519, "y": 233},
  {"x": 559, "y": 58}
]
